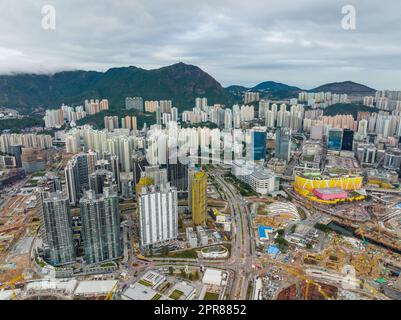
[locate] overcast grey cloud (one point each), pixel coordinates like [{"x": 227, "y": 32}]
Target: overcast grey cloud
[{"x": 238, "y": 42}]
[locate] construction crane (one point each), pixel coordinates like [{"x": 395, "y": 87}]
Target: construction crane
[
  {"x": 111, "y": 292},
  {"x": 12, "y": 284},
  {"x": 307, "y": 290}
]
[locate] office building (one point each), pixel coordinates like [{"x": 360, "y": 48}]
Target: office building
[
  {"x": 283, "y": 144},
  {"x": 348, "y": 140},
  {"x": 334, "y": 139},
  {"x": 178, "y": 177},
  {"x": 258, "y": 144}
]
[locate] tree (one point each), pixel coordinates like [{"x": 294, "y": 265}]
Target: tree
[
  {"x": 282, "y": 243},
  {"x": 170, "y": 270}
]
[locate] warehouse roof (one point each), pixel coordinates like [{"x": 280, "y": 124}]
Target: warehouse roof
[{"x": 95, "y": 287}]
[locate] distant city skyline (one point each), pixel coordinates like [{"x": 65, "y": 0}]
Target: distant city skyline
[{"x": 298, "y": 43}]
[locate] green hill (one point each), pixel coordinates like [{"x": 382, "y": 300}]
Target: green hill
[
  {"x": 275, "y": 86},
  {"x": 180, "y": 82},
  {"x": 348, "y": 87}
]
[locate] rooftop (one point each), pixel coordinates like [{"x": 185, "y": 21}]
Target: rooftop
[
  {"x": 330, "y": 191},
  {"x": 95, "y": 287},
  {"x": 139, "y": 291}
]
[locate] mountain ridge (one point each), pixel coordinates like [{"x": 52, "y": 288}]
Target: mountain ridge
[
  {"x": 348, "y": 87},
  {"x": 334, "y": 87},
  {"x": 180, "y": 82}
]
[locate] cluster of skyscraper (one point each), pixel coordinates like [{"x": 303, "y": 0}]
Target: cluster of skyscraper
[{"x": 91, "y": 186}]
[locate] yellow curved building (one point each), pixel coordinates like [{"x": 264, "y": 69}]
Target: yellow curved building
[{"x": 307, "y": 182}]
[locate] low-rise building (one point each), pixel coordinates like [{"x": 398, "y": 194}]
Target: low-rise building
[
  {"x": 153, "y": 278},
  {"x": 95, "y": 288},
  {"x": 192, "y": 238},
  {"x": 202, "y": 235},
  {"x": 214, "y": 277},
  {"x": 260, "y": 179}
]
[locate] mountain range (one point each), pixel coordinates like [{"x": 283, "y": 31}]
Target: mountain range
[
  {"x": 348, "y": 87},
  {"x": 180, "y": 82}
]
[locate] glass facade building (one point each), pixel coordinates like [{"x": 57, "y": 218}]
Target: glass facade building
[
  {"x": 348, "y": 140},
  {"x": 334, "y": 139},
  {"x": 258, "y": 145}
]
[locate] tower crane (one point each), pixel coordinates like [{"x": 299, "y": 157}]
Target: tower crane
[
  {"x": 111, "y": 292},
  {"x": 12, "y": 284}
]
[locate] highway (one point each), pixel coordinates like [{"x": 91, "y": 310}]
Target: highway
[{"x": 243, "y": 247}]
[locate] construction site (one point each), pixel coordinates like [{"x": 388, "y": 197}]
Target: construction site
[
  {"x": 341, "y": 252},
  {"x": 19, "y": 224},
  {"x": 305, "y": 290},
  {"x": 346, "y": 267}
]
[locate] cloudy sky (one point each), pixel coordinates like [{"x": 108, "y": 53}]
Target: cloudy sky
[{"x": 298, "y": 42}]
